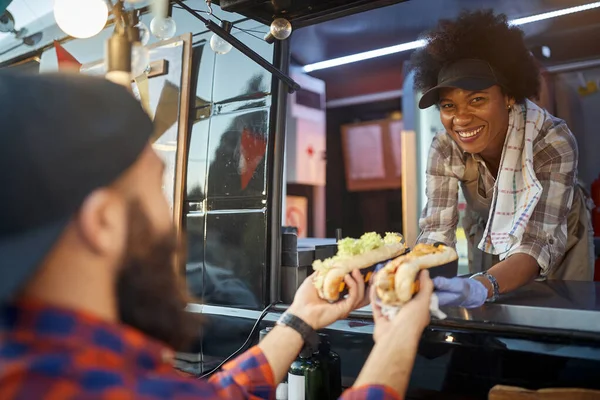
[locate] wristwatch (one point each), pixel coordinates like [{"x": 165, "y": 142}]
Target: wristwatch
[
  {"x": 493, "y": 282},
  {"x": 310, "y": 337}
]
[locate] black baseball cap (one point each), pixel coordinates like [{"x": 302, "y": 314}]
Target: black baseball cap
[
  {"x": 468, "y": 74},
  {"x": 62, "y": 137}
]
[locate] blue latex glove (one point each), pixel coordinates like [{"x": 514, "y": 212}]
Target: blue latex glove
[{"x": 460, "y": 292}]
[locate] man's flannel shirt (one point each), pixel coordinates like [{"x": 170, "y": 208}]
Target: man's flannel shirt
[{"x": 49, "y": 353}]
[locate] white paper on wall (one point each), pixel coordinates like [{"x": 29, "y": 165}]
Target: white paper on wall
[
  {"x": 310, "y": 152},
  {"x": 365, "y": 150}
]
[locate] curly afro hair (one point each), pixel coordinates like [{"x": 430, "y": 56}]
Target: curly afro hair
[{"x": 479, "y": 35}]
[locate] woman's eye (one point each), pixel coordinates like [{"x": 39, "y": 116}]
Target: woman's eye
[
  {"x": 447, "y": 105},
  {"x": 477, "y": 99}
]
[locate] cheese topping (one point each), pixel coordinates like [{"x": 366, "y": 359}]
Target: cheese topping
[{"x": 424, "y": 249}]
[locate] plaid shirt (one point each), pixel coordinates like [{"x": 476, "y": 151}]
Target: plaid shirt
[
  {"x": 48, "y": 353},
  {"x": 555, "y": 157}
]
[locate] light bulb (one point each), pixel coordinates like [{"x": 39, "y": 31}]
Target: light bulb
[
  {"x": 144, "y": 33},
  {"x": 281, "y": 28},
  {"x": 81, "y": 18},
  {"x": 220, "y": 45},
  {"x": 140, "y": 59},
  {"x": 163, "y": 28}
]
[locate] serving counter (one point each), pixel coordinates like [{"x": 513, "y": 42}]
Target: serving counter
[{"x": 546, "y": 334}]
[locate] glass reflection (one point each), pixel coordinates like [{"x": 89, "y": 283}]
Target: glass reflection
[
  {"x": 237, "y": 149},
  {"x": 234, "y": 71},
  {"x": 235, "y": 259},
  {"x": 226, "y": 180}
]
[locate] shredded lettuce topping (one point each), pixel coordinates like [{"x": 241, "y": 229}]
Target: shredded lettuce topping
[
  {"x": 393, "y": 238},
  {"x": 349, "y": 247}
]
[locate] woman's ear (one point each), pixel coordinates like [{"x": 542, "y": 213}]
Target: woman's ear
[{"x": 510, "y": 102}]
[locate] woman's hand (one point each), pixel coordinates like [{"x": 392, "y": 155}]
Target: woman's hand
[
  {"x": 460, "y": 292},
  {"x": 413, "y": 316},
  {"x": 319, "y": 313}
]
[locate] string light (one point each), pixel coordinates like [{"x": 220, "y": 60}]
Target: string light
[
  {"x": 218, "y": 44},
  {"x": 81, "y": 18}
]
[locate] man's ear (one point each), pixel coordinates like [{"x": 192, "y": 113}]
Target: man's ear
[{"x": 102, "y": 222}]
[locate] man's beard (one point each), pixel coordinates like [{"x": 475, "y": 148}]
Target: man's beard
[{"x": 149, "y": 294}]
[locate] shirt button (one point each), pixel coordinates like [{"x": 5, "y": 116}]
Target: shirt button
[{"x": 551, "y": 240}]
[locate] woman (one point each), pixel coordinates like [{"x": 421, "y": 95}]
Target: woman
[{"x": 527, "y": 217}]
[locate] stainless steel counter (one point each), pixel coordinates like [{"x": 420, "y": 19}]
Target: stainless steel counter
[
  {"x": 551, "y": 308},
  {"x": 553, "y": 305},
  {"x": 565, "y": 305}
]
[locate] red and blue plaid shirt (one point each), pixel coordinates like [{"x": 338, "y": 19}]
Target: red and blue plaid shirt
[{"x": 48, "y": 353}]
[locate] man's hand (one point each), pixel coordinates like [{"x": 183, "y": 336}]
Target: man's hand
[
  {"x": 413, "y": 316},
  {"x": 392, "y": 358},
  {"x": 319, "y": 313}
]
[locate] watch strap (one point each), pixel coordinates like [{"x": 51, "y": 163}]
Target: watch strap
[{"x": 310, "y": 337}]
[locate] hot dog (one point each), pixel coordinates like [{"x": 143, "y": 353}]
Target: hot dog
[
  {"x": 396, "y": 283},
  {"x": 362, "y": 254}
]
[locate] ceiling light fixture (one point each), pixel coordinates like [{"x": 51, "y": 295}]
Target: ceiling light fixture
[
  {"x": 365, "y": 56},
  {"x": 420, "y": 43},
  {"x": 554, "y": 14}
]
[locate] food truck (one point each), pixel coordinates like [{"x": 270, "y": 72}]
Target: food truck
[{"x": 229, "y": 126}]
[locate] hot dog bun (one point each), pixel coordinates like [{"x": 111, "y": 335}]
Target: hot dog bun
[
  {"x": 330, "y": 273},
  {"x": 397, "y": 283}
]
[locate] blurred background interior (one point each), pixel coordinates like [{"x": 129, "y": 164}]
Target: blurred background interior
[{"x": 356, "y": 146}]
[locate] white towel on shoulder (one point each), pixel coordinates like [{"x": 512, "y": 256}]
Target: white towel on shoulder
[{"x": 517, "y": 190}]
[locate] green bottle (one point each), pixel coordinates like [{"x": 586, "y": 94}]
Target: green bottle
[
  {"x": 333, "y": 365},
  {"x": 308, "y": 378}
]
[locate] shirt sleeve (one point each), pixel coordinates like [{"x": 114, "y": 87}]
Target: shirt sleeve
[
  {"x": 375, "y": 392},
  {"x": 247, "y": 377},
  {"x": 555, "y": 163},
  {"x": 439, "y": 218}
]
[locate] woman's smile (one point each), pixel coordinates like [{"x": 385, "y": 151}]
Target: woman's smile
[{"x": 469, "y": 134}]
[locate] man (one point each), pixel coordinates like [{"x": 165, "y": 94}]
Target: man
[{"x": 91, "y": 308}]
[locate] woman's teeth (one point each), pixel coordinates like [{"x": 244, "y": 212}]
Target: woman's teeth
[{"x": 468, "y": 134}]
